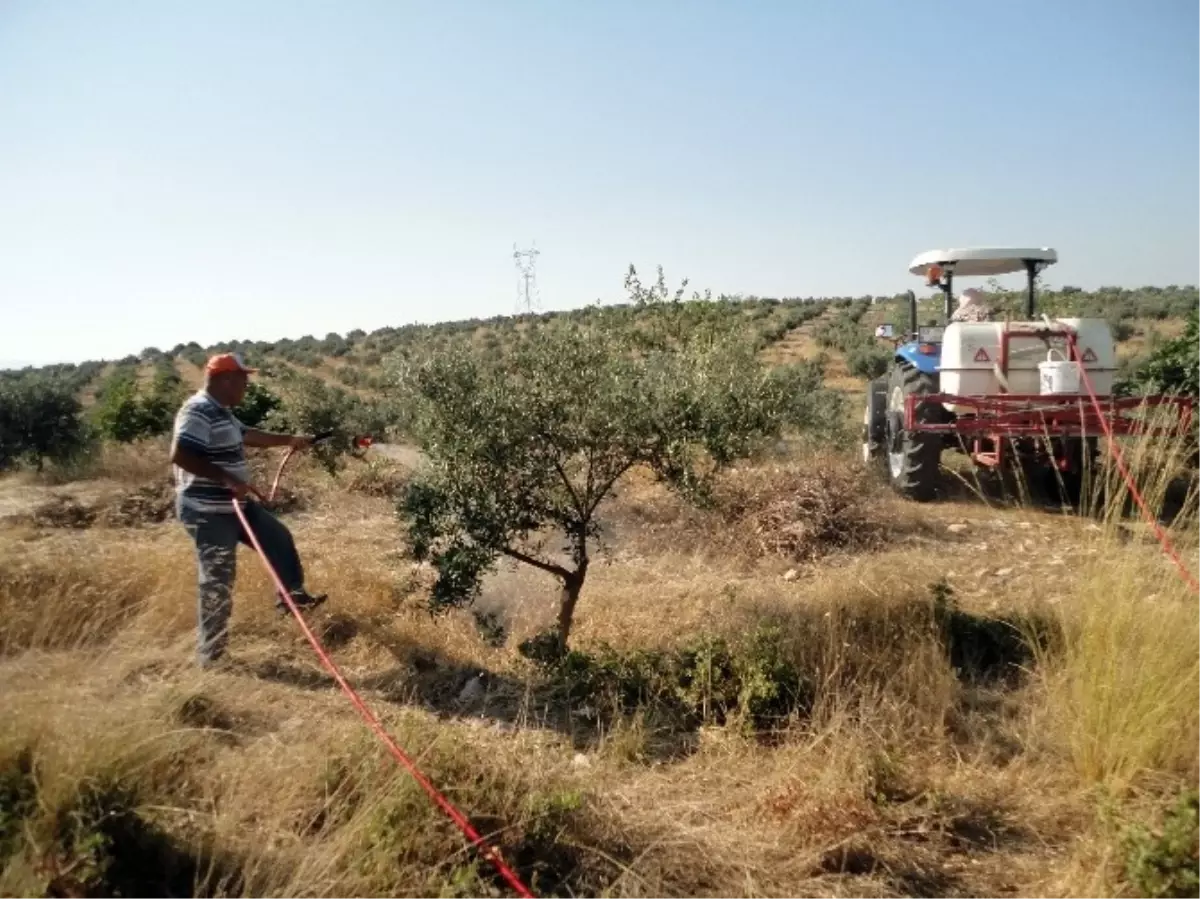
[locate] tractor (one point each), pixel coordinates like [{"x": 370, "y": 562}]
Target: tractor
[{"x": 1034, "y": 394}]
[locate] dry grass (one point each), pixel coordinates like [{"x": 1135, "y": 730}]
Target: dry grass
[
  {"x": 377, "y": 477},
  {"x": 133, "y": 464},
  {"x": 113, "y": 507},
  {"x": 939, "y": 754}
]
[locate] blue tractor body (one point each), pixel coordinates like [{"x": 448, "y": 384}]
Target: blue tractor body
[{"x": 925, "y": 362}]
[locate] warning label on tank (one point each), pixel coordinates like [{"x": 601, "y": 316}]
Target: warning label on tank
[
  {"x": 1088, "y": 355},
  {"x": 981, "y": 355}
]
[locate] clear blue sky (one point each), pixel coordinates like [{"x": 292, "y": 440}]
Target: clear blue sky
[{"x": 173, "y": 170}]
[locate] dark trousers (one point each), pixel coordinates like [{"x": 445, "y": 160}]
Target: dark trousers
[{"x": 216, "y": 535}]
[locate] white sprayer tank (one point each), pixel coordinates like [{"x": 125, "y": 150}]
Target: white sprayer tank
[{"x": 970, "y": 364}]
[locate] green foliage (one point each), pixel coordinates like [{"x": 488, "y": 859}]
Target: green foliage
[
  {"x": 40, "y": 421},
  {"x": 548, "y": 811},
  {"x": 865, "y": 356},
  {"x": 85, "y": 835},
  {"x": 536, "y": 439},
  {"x": 67, "y": 375},
  {"x": 868, "y": 361},
  {"x": 18, "y": 800},
  {"x": 118, "y": 414},
  {"x": 257, "y": 405},
  {"x": 309, "y": 405},
  {"x": 1122, "y": 331},
  {"x": 334, "y": 345},
  {"x": 806, "y": 404},
  {"x": 1173, "y": 367},
  {"x": 709, "y": 680},
  {"x": 1166, "y": 862},
  {"x": 125, "y": 412},
  {"x": 194, "y": 353},
  {"x": 348, "y": 375},
  {"x": 774, "y": 316},
  {"x": 162, "y": 400},
  {"x": 490, "y": 627}
]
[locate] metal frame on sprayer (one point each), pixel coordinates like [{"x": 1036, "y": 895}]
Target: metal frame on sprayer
[{"x": 995, "y": 417}]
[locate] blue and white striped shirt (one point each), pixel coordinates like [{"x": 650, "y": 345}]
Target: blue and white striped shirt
[{"x": 205, "y": 427}]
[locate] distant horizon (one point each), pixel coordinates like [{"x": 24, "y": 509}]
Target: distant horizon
[
  {"x": 226, "y": 170},
  {"x": 1008, "y": 282}
]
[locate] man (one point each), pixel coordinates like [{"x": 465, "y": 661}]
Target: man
[
  {"x": 209, "y": 459},
  {"x": 972, "y": 307}
]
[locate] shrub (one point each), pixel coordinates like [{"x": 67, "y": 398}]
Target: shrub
[
  {"x": 257, "y": 405},
  {"x": 1165, "y": 862},
  {"x": 810, "y": 408},
  {"x": 18, "y": 799},
  {"x": 707, "y": 681},
  {"x": 117, "y": 413},
  {"x": 126, "y": 413},
  {"x": 1174, "y": 365},
  {"x": 1122, "y": 330},
  {"x": 868, "y": 361}
]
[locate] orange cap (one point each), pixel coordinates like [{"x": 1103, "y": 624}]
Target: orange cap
[{"x": 228, "y": 362}]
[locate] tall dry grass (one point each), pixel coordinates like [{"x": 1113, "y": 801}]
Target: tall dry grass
[
  {"x": 141, "y": 462},
  {"x": 941, "y": 753},
  {"x": 1124, "y": 693}
]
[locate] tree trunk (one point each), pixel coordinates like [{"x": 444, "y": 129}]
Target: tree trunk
[{"x": 566, "y": 607}]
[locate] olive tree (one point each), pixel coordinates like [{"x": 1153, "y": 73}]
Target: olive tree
[
  {"x": 40, "y": 421},
  {"x": 525, "y": 447}
]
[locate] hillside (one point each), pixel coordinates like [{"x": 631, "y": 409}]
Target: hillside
[
  {"x": 806, "y": 688},
  {"x": 786, "y": 328}
]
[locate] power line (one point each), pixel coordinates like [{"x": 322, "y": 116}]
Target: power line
[{"x": 528, "y": 299}]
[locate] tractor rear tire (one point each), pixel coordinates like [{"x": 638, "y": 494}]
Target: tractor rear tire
[
  {"x": 874, "y": 428},
  {"x": 913, "y": 457}
]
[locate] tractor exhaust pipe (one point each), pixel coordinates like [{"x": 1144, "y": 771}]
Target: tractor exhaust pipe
[
  {"x": 912, "y": 315},
  {"x": 1031, "y": 268}
]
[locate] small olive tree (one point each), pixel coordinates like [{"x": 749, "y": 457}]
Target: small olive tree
[{"x": 526, "y": 446}]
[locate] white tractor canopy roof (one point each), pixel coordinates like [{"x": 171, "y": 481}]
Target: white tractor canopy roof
[{"x": 983, "y": 261}]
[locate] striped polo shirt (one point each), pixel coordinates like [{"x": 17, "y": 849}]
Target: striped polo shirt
[{"x": 208, "y": 429}]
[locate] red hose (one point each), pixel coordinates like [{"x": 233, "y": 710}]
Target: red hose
[
  {"x": 279, "y": 474},
  {"x": 459, "y": 819},
  {"x": 1118, "y": 457}
]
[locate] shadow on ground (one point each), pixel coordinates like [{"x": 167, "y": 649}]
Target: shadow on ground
[{"x": 764, "y": 674}]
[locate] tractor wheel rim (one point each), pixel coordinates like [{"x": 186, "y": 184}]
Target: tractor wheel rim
[
  {"x": 866, "y": 435},
  {"x": 895, "y": 433}
]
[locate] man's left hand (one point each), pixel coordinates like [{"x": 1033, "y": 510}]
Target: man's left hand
[{"x": 301, "y": 441}]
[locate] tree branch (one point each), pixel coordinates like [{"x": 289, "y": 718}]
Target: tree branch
[
  {"x": 591, "y": 472},
  {"x": 575, "y": 501},
  {"x": 548, "y": 567},
  {"x": 605, "y": 487}
]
